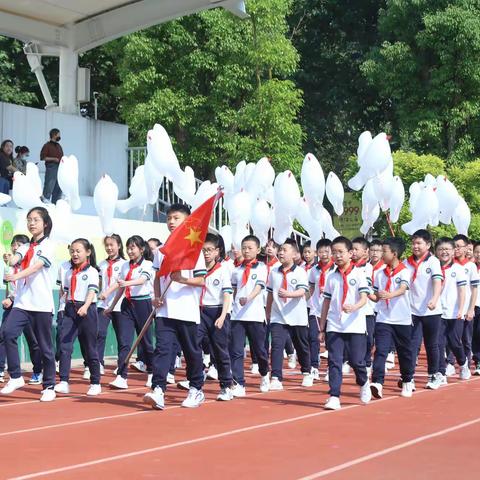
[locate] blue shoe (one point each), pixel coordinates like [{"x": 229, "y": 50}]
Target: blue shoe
[{"x": 36, "y": 379}]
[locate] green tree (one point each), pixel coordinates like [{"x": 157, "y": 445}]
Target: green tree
[{"x": 428, "y": 69}]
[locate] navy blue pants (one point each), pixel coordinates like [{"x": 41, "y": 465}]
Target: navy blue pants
[
  {"x": 134, "y": 315},
  {"x": 353, "y": 343},
  {"x": 451, "y": 335},
  {"x": 299, "y": 336},
  {"x": 370, "y": 339},
  {"x": 427, "y": 327},
  {"x": 41, "y": 323},
  {"x": 401, "y": 336},
  {"x": 33, "y": 347},
  {"x": 168, "y": 332},
  {"x": 289, "y": 349},
  {"x": 86, "y": 329},
  {"x": 217, "y": 341},
  {"x": 57, "y": 335},
  {"x": 476, "y": 336},
  {"x": 256, "y": 337},
  {"x": 313, "y": 341},
  {"x": 103, "y": 322}
]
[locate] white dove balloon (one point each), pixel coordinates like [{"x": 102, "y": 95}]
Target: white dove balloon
[
  {"x": 286, "y": 195},
  {"x": 383, "y": 184},
  {"x": 63, "y": 230},
  {"x": 364, "y": 141},
  {"x": 138, "y": 193},
  {"x": 462, "y": 217},
  {"x": 422, "y": 211},
  {"x": 34, "y": 178},
  {"x": 414, "y": 192},
  {"x": 239, "y": 208},
  {"x": 67, "y": 177},
  {"x": 161, "y": 152},
  {"x": 226, "y": 234},
  {"x": 328, "y": 228},
  {"x": 105, "y": 198},
  {"x": 369, "y": 200},
  {"x": 397, "y": 199},
  {"x": 335, "y": 193},
  {"x": 261, "y": 220},
  {"x": 261, "y": 179},
  {"x": 153, "y": 180},
  {"x": 248, "y": 174},
  {"x": 310, "y": 224},
  {"x": 4, "y": 198},
  {"x": 239, "y": 232},
  {"x": 24, "y": 193},
  {"x": 205, "y": 191},
  {"x": 185, "y": 185},
  {"x": 313, "y": 184},
  {"x": 239, "y": 177},
  {"x": 448, "y": 198},
  {"x": 370, "y": 220},
  {"x": 225, "y": 178}
]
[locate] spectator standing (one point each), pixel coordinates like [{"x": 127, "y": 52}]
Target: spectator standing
[
  {"x": 51, "y": 154},
  {"x": 6, "y": 166}
]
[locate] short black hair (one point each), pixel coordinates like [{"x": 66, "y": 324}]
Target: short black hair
[
  {"x": 324, "y": 242},
  {"x": 476, "y": 244},
  {"x": 308, "y": 243},
  {"x": 376, "y": 242},
  {"x": 344, "y": 240},
  {"x": 292, "y": 243},
  {"x": 20, "y": 238},
  {"x": 252, "y": 238},
  {"x": 179, "y": 207},
  {"x": 396, "y": 245},
  {"x": 423, "y": 234},
  {"x": 362, "y": 241},
  {"x": 442, "y": 240},
  {"x": 156, "y": 240},
  {"x": 275, "y": 244},
  {"x": 53, "y": 132},
  {"x": 461, "y": 237}
]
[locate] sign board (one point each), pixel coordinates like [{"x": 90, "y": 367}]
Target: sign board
[{"x": 349, "y": 223}]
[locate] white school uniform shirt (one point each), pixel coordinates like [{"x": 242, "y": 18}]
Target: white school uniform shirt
[
  {"x": 289, "y": 311},
  {"x": 229, "y": 264},
  {"x": 338, "y": 320},
  {"x": 270, "y": 267},
  {"x": 374, "y": 274},
  {"x": 144, "y": 269},
  {"x": 116, "y": 272},
  {"x": 217, "y": 283},
  {"x": 181, "y": 302},
  {"x": 421, "y": 289},
  {"x": 253, "y": 311},
  {"x": 34, "y": 293},
  {"x": 397, "y": 311},
  {"x": 316, "y": 300},
  {"x": 368, "y": 271},
  {"x": 454, "y": 277},
  {"x": 62, "y": 269},
  {"x": 471, "y": 274},
  {"x": 87, "y": 281},
  {"x": 308, "y": 268}
]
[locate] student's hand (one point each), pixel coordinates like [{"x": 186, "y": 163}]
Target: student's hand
[
  {"x": 7, "y": 303},
  {"x": 469, "y": 316},
  {"x": 107, "y": 312},
  {"x": 177, "y": 277},
  {"x": 459, "y": 316},
  {"x": 282, "y": 293},
  {"x": 384, "y": 295},
  {"x": 82, "y": 311},
  {"x": 321, "y": 337},
  {"x": 349, "y": 308},
  {"x": 243, "y": 301},
  {"x": 102, "y": 296},
  {"x": 10, "y": 277},
  {"x": 157, "y": 302},
  {"x": 7, "y": 257},
  {"x": 432, "y": 305},
  {"x": 122, "y": 283},
  {"x": 219, "y": 322}
]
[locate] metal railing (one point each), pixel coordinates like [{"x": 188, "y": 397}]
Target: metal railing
[{"x": 167, "y": 196}]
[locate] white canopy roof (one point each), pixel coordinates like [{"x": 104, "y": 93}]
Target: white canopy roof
[{"x": 81, "y": 25}]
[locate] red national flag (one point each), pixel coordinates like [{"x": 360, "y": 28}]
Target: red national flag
[{"x": 184, "y": 245}]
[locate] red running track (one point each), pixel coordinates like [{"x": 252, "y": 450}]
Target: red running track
[{"x": 281, "y": 435}]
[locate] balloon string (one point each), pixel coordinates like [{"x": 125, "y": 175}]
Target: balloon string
[{"x": 387, "y": 216}]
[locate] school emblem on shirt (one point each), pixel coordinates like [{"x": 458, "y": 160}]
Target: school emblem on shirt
[
  {"x": 39, "y": 252},
  {"x": 254, "y": 276},
  {"x": 84, "y": 277},
  {"x": 216, "y": 282},
  {"x": 398, "y": 280},
  {"x": 428, "y": 270},
  {"x": 293, "y": 281},
  {"x": 352, "y": 282},
  {"x": 454, "y": 274},
  {"x": 466, "y": 270},
  {"x": 116, "y": 269}
]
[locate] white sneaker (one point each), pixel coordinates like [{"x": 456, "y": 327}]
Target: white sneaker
[
  {"x": 365, "y": 393},
  {"x": 450, "y": 370},
  {"x": 12, "y": 385},
  {"x": 140, "y": 366},
  {"x": 377, "y": 390},
  {"x": 442, "y": 379},
  {"x": 57, "y": 367},
  {"x": 115, "y": 372},
  {"x": 275, "y": 385},
  {"x": 346, "y": 368},
  {"x": 206, "y": 360},
  {"x": 465, "y": 373},
  {"x": 194, "y": 398},
  {"x": 265, "y": 383},
  {"x": 2, "y": 377},
  {"x": 324, "y": 354},
  {"x": 183, "y": 385},
  {"x": 94, "y": 390},
  {"x": 307, "y": 380},
  {"x": 62, "y": 387},
  {"x": 333, "y": 403},
  {"x": 254, "y": 370},
  {"x": 315, "y": 373},
  {"x": 48, "y": 395},
  {"x": 102, "y": 370},
  {"x": 390, "y": 363},
  {"x": 86, "y": 374},
  {"x": 476, "y": 372},
  {"x": 407, "y": 389},
  {"x": 170, "y": 379},
  {"x": 212, "y": 373},
  {"x": 433, "y": 383},
  {"x": 239, "y": 391},
  {"x": 119, "y": 382},
  {"x": 155, "y": 399},
  {"x": 149, "y": 380},
  {"x": 225, "y": 395},
  {"x": 292, "y": 361},
  {"x": 369, "y": 372},
  {"x": 178, "y": 362}
]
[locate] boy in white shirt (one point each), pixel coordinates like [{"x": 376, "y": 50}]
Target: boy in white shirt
[
  {"x": 343, "y": 320},
  {"x": 394, "y": 318},
  {"x": 287, "y": 312}
]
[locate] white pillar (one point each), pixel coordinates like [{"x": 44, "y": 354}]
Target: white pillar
[{"x": 67, "y": 88}]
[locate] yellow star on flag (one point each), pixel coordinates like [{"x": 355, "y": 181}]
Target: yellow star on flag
[{"x": 194, "y": 236}]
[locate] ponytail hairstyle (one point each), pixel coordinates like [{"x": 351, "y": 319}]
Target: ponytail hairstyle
[
  {"x": 47, "y": 219},
  {"x": 138, "y": 241},
  {"x": 217, "y": 242},
  {"x": 92, "y": 258},
  {"x": 118, "y": 239}
]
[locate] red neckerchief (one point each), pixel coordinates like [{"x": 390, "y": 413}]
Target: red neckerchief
[
  {"x": 323, "y": 273},
  {"x": 29, "y": 255},
  {"x": 110, "y": 269},
  {"x": 478, "y": 266},
  {"x": 462, "y": 262},
  {"x": 376, "y": 267},
  {"x": 246, "y": 273},
  {"x": 284, "y": 279},
  {"x": 344, "y": 275},
  {"x": 270, "y": 264},
  {"x": 360, "y": 263},
  {"x": 308, "y": 266},
  {"x": 416, "y": 265},
  {"x": 73, "y": 282},
  {"x": 209, "y": 272},
  {"x": 390, "y": 274},
  {"x": 445, "y": 268},
  {"x": 132, "y": 267},
  {"x": 237, "y": 262}
]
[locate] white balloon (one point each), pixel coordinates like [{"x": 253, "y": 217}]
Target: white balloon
[
  {"x": 313, "y": 184},
  {"x": 248, "y": 173},
  {"x": 34, "y": 178},
  {"x": 239, "y": 232},
  {"x": 67, "y": 177},
  {"x": 239, "y": 177},
  {"x": 105, "y": 198},
  {"x": 369, "y": 199},
  {"x": 425, "y": 210},
  {"x": 310, "y": 224},
  {"x": 205, "y": 191},
  {"x": 364, "y": 141},
  {"x": 383, "y": 184},
  {"x": 448, "y": 198},
  {"x": 161, "y": 152},
  {"x": 261, "y": 179},
  {"x": 24, "y": 194},
  {"x": 153, "y": 180},
  {"x": 186, "y": 185},
  {"x": 4, "y": 199},
  {"x": 397, "y": 199},
  {"x": 138, "y": 193},
  {"x": 261, "y": 220},
  {"x": 226, "y": 234},
  {"x": 430, "y": 180},
  {"x": 224, "y": 177},
  {"x": 63, "y": 230},
  {"x": 414, "y": 191},
  {"x": 239, "y": 208},
  {"x": 335, "y": 193},
  {"x": 286, "y": 195},
  {"x": 462, "y": 217},
  {"x": 328, "y": 228}
]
